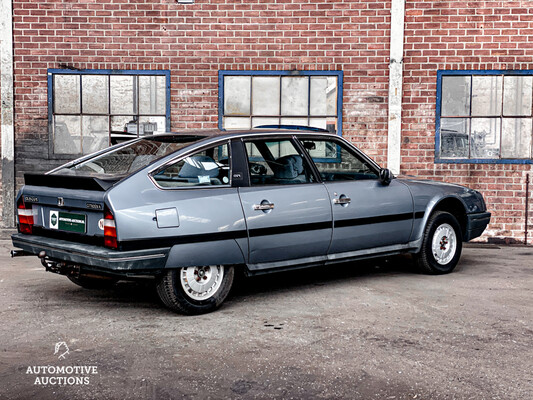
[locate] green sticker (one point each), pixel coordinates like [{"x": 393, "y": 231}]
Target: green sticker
[{"x": 71, "y": 222}]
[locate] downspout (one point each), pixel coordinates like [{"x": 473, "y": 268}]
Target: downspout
[
  {"x": 395, "y": 85},
  {"x": 6, "y": 100}
]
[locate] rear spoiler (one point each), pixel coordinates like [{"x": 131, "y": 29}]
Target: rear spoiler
[{"x": 70, "y": 182}]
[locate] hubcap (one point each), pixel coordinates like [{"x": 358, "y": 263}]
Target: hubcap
[
  {"x": 201, "y": 283},
  {"x": 444, "y": 244}
]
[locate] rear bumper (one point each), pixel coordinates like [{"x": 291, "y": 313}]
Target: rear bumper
[
  {"x": 476, "y": 224},
  {"x": 89, "y": 257}
]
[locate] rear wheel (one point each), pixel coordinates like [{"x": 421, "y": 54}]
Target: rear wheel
[
  {"x": 441, "y": 246},
  {"x": 86, "y": 282},
  {"x": 195, "y": 290}
]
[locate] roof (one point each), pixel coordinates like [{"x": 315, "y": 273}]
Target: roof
[{"x": 212, "y": 133}]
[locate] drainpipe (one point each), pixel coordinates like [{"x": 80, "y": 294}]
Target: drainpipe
[
  {"x": 6, "y": 100},
  {"x": 395, "y": 85},
  {"x": 527, "y": 209}
]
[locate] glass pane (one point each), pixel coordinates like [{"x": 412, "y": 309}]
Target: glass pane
[
  {"x": 123, "y": 94},
  {"x": 236, "y": 123},
  {"x": 207, "y": 168},
  {"x": 485, "y": 138},
  {"x": 152, "y": 125},
  {"x": 487, "y": 95},
  {"x": 455, "y": 96},
  {"x": 336, "y": 163},
  {"x": 294, "y": 121},
  {"x": 95, "y": 133},
  {"x": 152, "y": 94},
  {"x": 123, "y": 127},
  {"x": 265, "y": 95},
  {"x": 516, "y": 138},
  {"x": 331, "y": 95},
  {"x": 130, "y": 157},
  {"x": 66, "y": 94},
  {"x": 323, "y": 95},
  {"x": 67, "y": 135},
  {"x": 454, "y": 137},
  {"x": 276, "y": 163},
  {"x": 95, "y": 94},
  {"x": 320, "y": 149},
  {"x": 319, "y": 123},
  {"x": 264, "y": 121},
  {"x": 319, "y": 87},
  {"x": 517, "y": 91},
  {"x": 237, "y": 95},
  {"x": 294, "y": 95}
]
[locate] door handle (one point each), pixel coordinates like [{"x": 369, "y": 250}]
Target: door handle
[
  {"x": 264, "y": 206},
  {"x": 342, "y": 200}
]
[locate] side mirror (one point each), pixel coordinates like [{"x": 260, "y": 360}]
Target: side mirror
[{"x": 385, "y": 176}]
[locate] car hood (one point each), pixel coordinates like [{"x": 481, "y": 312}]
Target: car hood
[
  {"x": 421, "y": 188},
  {"x": 413, "y": 180}
]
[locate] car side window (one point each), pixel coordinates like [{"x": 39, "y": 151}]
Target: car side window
[
  {"x": 336, "y": 162},
  {"x": 208, "y": 167},
  {"x": 276, "y": 162}
]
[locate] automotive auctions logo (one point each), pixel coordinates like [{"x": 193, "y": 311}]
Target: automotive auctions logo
[
  {"x": 54, "y": 375},
  {"x": 59, "y": 347}
]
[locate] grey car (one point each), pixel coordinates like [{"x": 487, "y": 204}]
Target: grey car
[{"x": 188, "y": 209}]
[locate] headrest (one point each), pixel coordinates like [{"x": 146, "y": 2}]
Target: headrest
[
  {"x": 196, "y": 166},
  {"x": 288, "y": 167}
]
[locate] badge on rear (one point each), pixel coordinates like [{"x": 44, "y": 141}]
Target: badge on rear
[{"x": 54, "y": 219}]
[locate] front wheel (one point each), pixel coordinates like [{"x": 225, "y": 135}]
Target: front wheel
[
  {"x": 441, "y": 246},
  {"x": 195, "y": 290}
]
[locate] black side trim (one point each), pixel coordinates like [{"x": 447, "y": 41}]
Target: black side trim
[
  {"x": 376, "y": 220},
  {"x": 289, "y": 229},
  {"x": 275, "y": 230},
  {"x": 420, "y": 214},
  {"x": 170, "y": 241}
]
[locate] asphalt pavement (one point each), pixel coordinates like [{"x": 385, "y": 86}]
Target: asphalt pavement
[{"x": 374, "y": 330}]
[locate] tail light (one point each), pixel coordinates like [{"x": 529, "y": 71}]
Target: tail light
[
  {"x": 110, "y": 229},
  {"x": 25, "y": 217}
]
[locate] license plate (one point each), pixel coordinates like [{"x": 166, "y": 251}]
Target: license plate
[{"x": 69, "y": 222}]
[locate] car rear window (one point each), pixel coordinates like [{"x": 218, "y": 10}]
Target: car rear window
[{"x": 129, "y": 158}]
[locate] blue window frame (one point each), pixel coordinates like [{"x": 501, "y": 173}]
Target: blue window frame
[
  {"x": 484, "y": 117},
  {"x": 253, "y": 98},
  {"x": 91, "y": 109}
]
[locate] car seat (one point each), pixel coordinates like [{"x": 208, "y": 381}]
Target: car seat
[{"x": 289, "y": 169}]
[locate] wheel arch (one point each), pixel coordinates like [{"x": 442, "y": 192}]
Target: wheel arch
[
  {"x": 222, "y": 252},
  {"x": 452, "y": 205}
]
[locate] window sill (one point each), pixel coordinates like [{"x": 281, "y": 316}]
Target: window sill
[{"x": 483, "y": 161}]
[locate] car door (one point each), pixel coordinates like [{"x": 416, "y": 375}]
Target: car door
[
  {"x": 366, "y": 213},
  {"x": 287, "y": 211}
]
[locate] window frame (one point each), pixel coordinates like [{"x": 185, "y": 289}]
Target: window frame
[
  {"x": 341, "y": 144},
  {"x": 438, "y": 109},
  {"x": 51, "y": 72},
  {"x": 189, "y": 153},
  {"x": 281, "y": 73},
  {"x": 297, "y": 146}
]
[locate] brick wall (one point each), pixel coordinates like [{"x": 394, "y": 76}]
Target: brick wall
[
  {"x": 477, "y": 35},
  {"x": 195, "y": 41}
]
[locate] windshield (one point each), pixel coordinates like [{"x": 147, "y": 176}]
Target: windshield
[{"x": 129, "y": 158}]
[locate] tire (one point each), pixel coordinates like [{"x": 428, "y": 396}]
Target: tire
[
  {"x": 93, "y": 283},
  {"x": 195, "y": 290},
  {"x": 441, "y": 246}
]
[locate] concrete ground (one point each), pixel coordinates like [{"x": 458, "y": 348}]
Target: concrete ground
[{"x": 357, "y": 331}]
